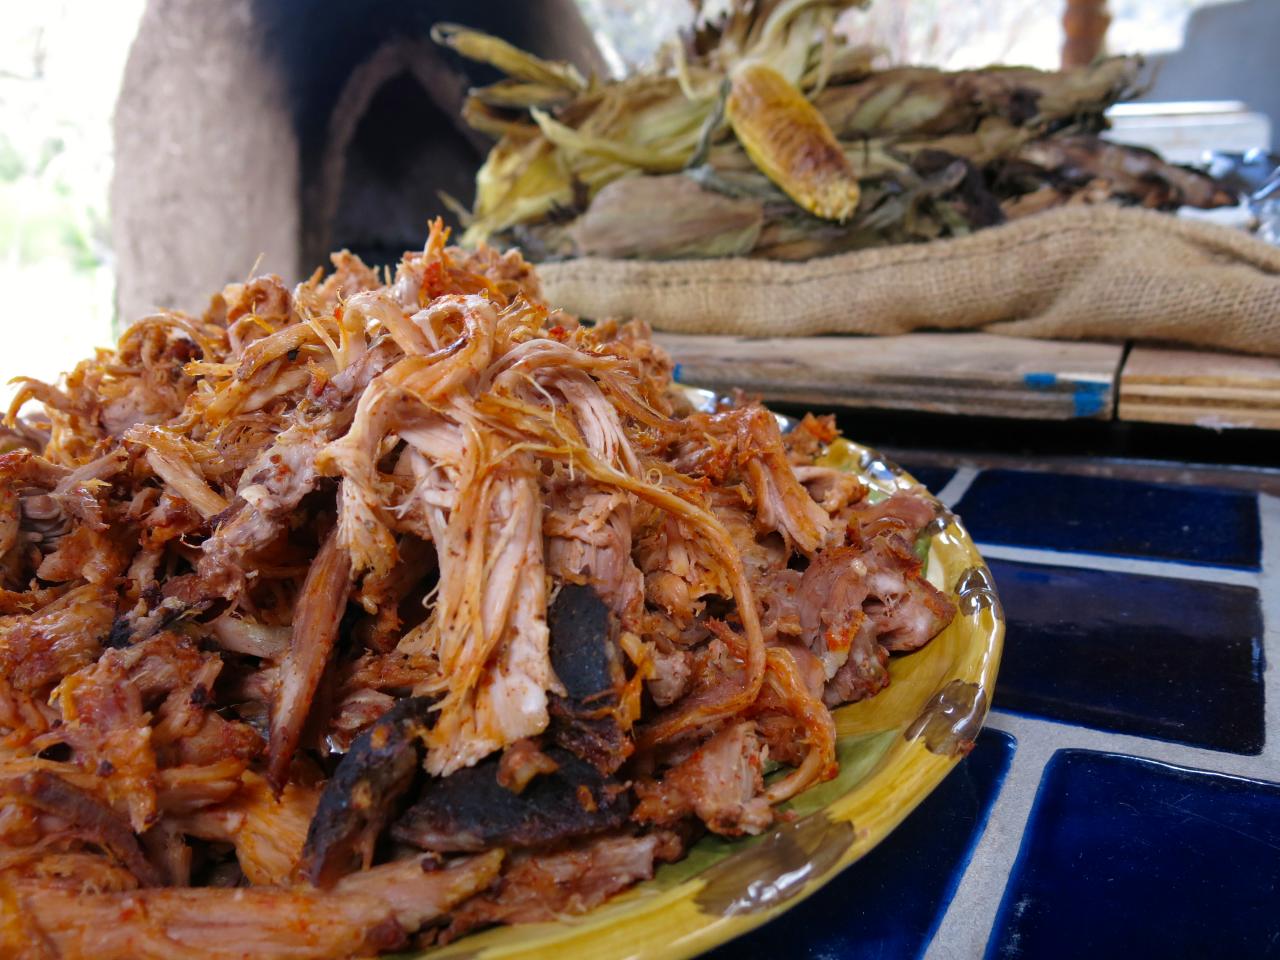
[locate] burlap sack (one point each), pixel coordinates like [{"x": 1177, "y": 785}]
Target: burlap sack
[{"x": 1080, "y": 272}]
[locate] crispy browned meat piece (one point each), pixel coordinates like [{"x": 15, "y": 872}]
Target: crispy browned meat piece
[
  {"x": 541, "y": 887},
  {"x": 315, "y": 628},
  {"x": 905, "y": 514},
  {"x": 907, "y": 610},
  {"x": 721, "y": 782},
  {"x": 39, "y": 649},
  {"x": 858, "y": 603},
  {"x": 86, "y": 817},
  {"x": 832, "y": 622},
  {"x": 594, "y": 736}
]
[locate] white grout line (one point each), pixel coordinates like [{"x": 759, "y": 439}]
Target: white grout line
[
  {"x": 1069, "y": 736},
  {"x": 957, "y": 486},
  {"x": 966, "y": 925},
  {"x": 1269, "y": 592},
  {"x": 1096, "y": 561}
]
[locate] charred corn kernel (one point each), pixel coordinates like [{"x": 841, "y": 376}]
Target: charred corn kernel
[{"x": 790, "y": 142}]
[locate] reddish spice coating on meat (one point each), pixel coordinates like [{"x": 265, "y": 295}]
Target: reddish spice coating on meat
[
  {"x": 542, "y": 888},
  {"x": 332, "y": 570},
  {"x": 721, "y": 782},
  {"x": 315, "y": 629}
]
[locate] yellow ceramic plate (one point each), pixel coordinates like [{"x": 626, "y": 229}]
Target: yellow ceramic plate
[{"x": 894, "y": 749}]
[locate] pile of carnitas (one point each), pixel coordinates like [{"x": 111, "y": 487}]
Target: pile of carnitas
[{"x": 358, "y": 616}]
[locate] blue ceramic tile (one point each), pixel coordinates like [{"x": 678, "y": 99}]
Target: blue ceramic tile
[
  {"x": 1130, "y": 858},
  {"x": 1120, "y": 517},
  {"x": 935, "y": 478},
  {"x": 1152, "y": 656},
  {"x": 890, "y": 902}
]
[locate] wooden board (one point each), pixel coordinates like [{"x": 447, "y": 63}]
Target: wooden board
[
  {"x": 1200, "y": 388},
  {"x": 976, "y": 374}
]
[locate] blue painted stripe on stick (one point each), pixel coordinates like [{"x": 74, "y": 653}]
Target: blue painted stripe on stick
[{"x": 1089, "y": 397}]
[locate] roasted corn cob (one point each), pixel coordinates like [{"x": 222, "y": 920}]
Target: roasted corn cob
[
  {"x": 790, "y": 142},
  {"x": 769, "y": 135}
]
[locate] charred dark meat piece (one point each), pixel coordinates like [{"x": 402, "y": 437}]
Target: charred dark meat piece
[
  {"x": 521, "y": 763},
  {"x": 586, "y": 658},
  {"x": 599, "y": 740},
  {"x": 360, "y": 798},
  {"x": 469, "y": 810},
  {"x": 583, "y": 651}
]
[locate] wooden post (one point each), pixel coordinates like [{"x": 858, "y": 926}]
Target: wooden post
[{"x": 1084, "y": 28}]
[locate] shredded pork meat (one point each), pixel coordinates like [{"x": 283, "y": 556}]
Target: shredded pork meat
[{"x": 355, "y": 615}]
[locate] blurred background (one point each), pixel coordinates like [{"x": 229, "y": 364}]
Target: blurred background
[{"x": 153, "y": 150}]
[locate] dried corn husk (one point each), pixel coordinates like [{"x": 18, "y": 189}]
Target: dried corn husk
[
  {"x": 519, "y": 182},
  {"x": 766, "y": 113},
  {"x": 648, "y": 123},
  {"x": 696, "y": 222},
  {"x": 924, "y": 101},
  {"x": 511, "y": 60},
  {"x": 520, "y": 94}
]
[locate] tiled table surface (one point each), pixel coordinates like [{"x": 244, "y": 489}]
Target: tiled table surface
[{"x": 1121, "y": 801}]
